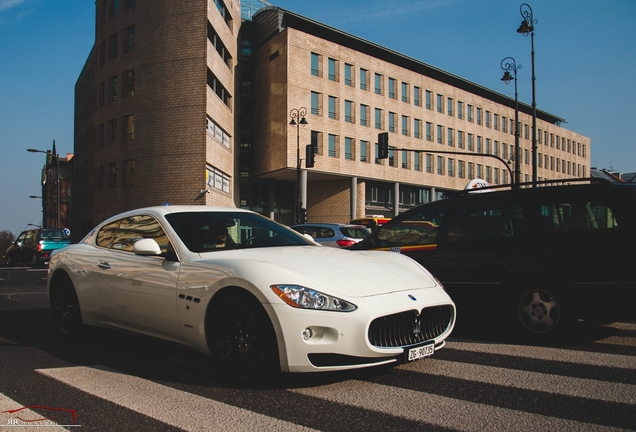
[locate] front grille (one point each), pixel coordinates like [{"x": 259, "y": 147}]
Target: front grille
[{"x": 410, "y": 327}]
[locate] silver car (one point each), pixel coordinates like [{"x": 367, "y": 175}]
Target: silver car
[{"x": 334, "y": 235}]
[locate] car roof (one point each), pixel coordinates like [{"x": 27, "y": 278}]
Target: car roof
[{"x": 170, "y": 209}]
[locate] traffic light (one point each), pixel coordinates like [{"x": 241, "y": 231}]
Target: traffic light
[
  {"x": 383, "y": 145},
  {"x": 309, "y": 156}
]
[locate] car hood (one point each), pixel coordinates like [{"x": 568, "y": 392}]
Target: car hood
[{"x": 330, "y": 270}]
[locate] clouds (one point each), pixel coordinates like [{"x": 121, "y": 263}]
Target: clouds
[{"x": 8, "y": 4}]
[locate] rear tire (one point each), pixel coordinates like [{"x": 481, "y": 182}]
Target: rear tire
[
  {"x": 241, "y": 337},
  {"x": 65, "y": 308},
  {"x": 544, "y": 313}
]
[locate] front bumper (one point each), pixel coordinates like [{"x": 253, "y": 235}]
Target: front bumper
[{"x": 342, "y": 340}]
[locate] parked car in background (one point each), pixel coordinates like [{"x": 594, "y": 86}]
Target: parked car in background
[
  {"x": 255, "y": 295},
  {"x": 34, "y": 246},
  {"x": 539, "y": 257},
  {"x": 334, "y": 235}
]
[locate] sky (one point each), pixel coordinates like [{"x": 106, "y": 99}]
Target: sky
[{"x": 585, "y": 68}]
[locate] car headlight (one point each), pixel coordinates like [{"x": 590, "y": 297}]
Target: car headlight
[{"x": 306, "y": 298}]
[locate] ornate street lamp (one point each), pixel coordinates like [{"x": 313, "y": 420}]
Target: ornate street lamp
[
  {"x": 57, "y": 182},
  {"x": 297, "y": 119},
  {"x": 509, "y": 64},
  {"x": 527, "y": 26}
]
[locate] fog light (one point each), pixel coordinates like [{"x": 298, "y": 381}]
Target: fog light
[{"x": 307, "y": 334}]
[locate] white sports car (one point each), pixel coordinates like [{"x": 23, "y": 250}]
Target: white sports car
[{"x": 255, "y": 295}]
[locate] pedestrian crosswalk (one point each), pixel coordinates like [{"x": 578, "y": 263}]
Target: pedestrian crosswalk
[{"x": 468, "y": 386}]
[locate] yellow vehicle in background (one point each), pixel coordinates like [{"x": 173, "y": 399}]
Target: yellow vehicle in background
[{"x": 371, "y": 222}]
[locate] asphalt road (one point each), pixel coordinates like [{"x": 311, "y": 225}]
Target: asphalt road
[{"x": 118, "y": 382}]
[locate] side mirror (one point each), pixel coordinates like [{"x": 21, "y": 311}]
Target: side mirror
[{"x": 146, "y": 247}]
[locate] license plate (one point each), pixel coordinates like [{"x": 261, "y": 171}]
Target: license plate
[{"x": 420, "y": 352}]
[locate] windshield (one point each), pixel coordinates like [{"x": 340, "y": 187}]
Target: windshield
[{"x": 211, "y": 231}]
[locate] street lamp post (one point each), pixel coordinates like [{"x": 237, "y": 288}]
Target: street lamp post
[
  {"x": 509, "y": 64},
  {"x": 297, "y": 119},
  {"x": 527, "y": 26},
  {"x": 57, "y": 181}
]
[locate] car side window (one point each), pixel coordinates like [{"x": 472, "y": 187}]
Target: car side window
[
  {"x": 485, "y": 219},
  {"x": 418, "y": 228},
  {"x": 106, "y": 234},
  {"x": 135, "y": 228},
  {"x": 575, "y": 215}
]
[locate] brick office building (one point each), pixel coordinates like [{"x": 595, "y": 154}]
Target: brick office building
[{"x": 191, "y": 103}]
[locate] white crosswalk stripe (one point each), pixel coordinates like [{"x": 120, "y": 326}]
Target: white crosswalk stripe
[
  {"x": 433, "y": 409},
  {"x": 184, "y": 410},
  {"x": 395, "y": 399},
  {"x": 556, "y": 384}
]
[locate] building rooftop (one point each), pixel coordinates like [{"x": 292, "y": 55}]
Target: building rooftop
[{"x": 273, "y": 19}]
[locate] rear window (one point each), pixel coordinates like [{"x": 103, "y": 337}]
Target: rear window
[
  {"x": 52, "y": 233},
  {"x": 355, "y": 232}
]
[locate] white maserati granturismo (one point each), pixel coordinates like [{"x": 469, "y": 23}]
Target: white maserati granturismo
[{"x": 253, "y": 294}]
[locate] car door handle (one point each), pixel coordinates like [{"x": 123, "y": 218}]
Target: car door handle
[{"x": 103, "y": 265}]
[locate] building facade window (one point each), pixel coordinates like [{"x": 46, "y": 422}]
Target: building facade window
[
  {"x": 440, "y": 103},
  {"x": 378, "y": 84},
  {"x": 378, "y": 118},
  {"x": 429, "y": 100},
  {"x": 450, "y": 137},
  {"x": 364, "y": 79},
  {"x": 364, "y": 149},
  {"x": 417, "y": 96},
  {"x": 349, "y": 112},
  {"x": 128, "y": 123},
  {"x": 348, "y": 148},
  {"x": 440, "y": 134},
  {"x": 460, "y": 110},
  {"x": 129, "y": 83},
  {"x": 332, "y": 146},
  {"x": 129, "y": 39},
  {"x": 315, "y": 64},
  {"x": 333, "y": 107},
  {"x": 127, "y": 173},
  {"x": 405, "y": 126},
  {"x": 364, "y": 115},
  {"x": 348, "y": 71},
  {"x": 417, "y": 128},
  {"x": 405, "y": 92},
  {"x": 429, "y": 163},
  {"x": 469, "y": 113},
  {"x": 450, "y": 104},
  {"x": 392, "y": 117},
  {"x": 392, "y": 88},
  {"x": 315, "y": 103},
  {"x": 333, "y": 70}
]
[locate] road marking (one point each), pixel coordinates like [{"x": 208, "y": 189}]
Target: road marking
[
  {"x": 545, "y": 353},
  {"x": 555, "y": 384},
  {"x": 441, "y": 410},
  {"x": 171, "y": 406}
]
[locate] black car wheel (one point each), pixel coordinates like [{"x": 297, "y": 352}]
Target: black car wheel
[
  {"x": 544, "y": 313},
  {"x": 34, "y": 260},
  {"x": 10, "y": 261},
  {"x": 241, "y": 337},
  {"x": 65, "y": 308}
]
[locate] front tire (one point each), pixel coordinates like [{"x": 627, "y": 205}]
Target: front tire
[
  {"x": 241, "y": 337},
  {"x": 65, "y": 308}
]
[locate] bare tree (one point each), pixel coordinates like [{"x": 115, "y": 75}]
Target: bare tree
[{"x": 6, "y": 238}]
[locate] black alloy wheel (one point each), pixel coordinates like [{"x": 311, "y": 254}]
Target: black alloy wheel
[
  {"x": 241, "y": 337},
  {"x": 65, "y": 308},
  {"x": 543, "y": 313}
]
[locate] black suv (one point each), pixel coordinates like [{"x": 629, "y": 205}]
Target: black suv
[
  {"x": 34, "y": 246},
  {"x": 539, "y": 258}
]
